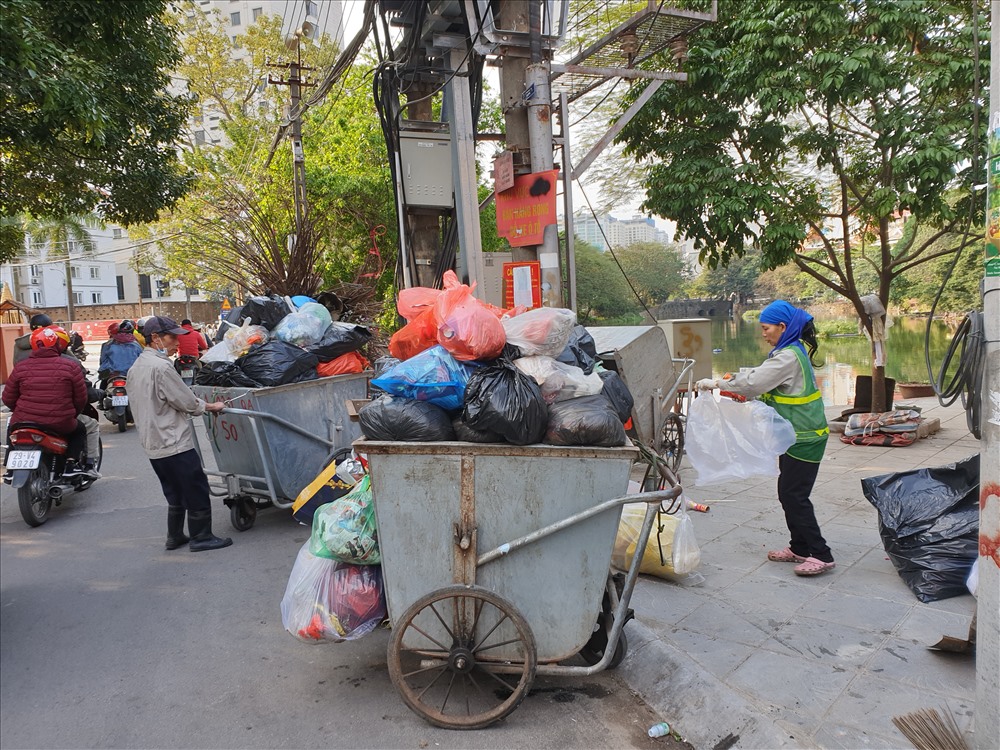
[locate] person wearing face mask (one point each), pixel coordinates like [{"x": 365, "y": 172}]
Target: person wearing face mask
[
  {"x": 786, "y": 381},
  {"x": 161, "y": 404}
]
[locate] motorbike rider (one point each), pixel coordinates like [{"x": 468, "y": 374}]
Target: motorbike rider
[
  {"x": 120, "y": 353},
  {"x": 22, "y": 344},
  {"x": 193, "y": 344},
  {"x": 50, "y": 391}
]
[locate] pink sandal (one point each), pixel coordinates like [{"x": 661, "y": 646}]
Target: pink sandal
[
  {"x": 784, "y": 555},
  {"x": 813, "y": 567}
]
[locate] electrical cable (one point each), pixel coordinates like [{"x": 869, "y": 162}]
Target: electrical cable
[
  {"x": 969, "y": 340},
  {"x": 612, "y": 251}
]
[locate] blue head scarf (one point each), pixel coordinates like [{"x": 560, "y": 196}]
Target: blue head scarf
[{"x": 794, "y": 319}]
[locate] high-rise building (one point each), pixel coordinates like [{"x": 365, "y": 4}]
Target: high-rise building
[{"x": 619, "y": 232}]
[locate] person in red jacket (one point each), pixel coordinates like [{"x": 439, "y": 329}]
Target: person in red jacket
[
  {"x": 193, "y": 344},
  {"x": 50, "y": 391}
]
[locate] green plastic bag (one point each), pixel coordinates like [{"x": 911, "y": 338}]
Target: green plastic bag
[{"x": 345, "y": 529}]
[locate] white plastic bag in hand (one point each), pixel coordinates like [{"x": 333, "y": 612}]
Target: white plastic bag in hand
[{"x": 726, "y": 440}]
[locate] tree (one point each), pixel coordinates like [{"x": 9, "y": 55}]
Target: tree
[
  {"x": 601, "y": 291},
  {"x": 655, "y": 270},
  {"x": 58, "y": 234},
  {"x": 88, "y": 123},
  {"x": 821, "y": 119},
  {"x": 739, "y": 276}
]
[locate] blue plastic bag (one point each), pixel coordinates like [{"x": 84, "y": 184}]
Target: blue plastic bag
[{"x": 433, "y": 376}]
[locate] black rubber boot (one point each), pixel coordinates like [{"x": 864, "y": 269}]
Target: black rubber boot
[
  {"x": 175, "y": 527},
  {"x": 202, "y": 538}
]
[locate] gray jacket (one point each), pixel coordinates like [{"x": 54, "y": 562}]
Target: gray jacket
[
  {"x": 22, "y": 347},
  {"x": 161, "y": 405}
]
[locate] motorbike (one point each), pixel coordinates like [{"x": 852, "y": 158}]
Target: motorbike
[
  {"x": 187, "y": 365},
  {"x": 35, "y": 462},
  {"x": 115, "y": 403}
]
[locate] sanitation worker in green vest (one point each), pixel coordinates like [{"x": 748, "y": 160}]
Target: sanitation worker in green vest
[{"x": 786, "y": 381}]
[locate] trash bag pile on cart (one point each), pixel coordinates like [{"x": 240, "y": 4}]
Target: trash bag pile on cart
[
  {"x": 335, "y": 591},
  {"x": 462, "y": 369},
  {"x": 274, "y": 340}
]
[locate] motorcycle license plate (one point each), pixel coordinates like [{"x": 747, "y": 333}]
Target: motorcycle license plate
[
  {"x": 119, "y": 400},
  {"x": 187, "y": 373},
  {"x": 23, "y": 459}
]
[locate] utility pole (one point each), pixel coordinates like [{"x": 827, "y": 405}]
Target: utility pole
[
  {"x": 295, "y": 85},
  {"x": 987, "y": 733},
  {"x": 70, "y": 311}
]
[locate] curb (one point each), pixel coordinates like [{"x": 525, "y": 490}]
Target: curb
[{"x": 705, "y": 711}]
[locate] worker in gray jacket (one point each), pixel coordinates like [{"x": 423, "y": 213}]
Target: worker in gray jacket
[{"x": 161, "y": 404}]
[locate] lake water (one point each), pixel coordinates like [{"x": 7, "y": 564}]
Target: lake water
[{"x": 841, "y": 358}]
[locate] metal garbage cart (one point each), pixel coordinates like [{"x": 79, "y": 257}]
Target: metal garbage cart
[
  {"x": 641, "y": 357},
  {"x": 272, "y": 442},
  {"x": 496, "y": 566}
]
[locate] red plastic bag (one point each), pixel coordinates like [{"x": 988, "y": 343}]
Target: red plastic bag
[
  {"x": 345, "y": 364},
  {"x": 414, "y": 337},
  {"x": 466, "y": 327},
  {"x": 416, "y": 301}
]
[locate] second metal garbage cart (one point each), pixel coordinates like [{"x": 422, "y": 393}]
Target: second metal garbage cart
[{"x": 496, "y": 562}]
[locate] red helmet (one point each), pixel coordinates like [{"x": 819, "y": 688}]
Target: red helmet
[{"x": 50, "y": 336}]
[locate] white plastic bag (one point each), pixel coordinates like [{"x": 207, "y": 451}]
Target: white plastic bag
[
  {"x": 558, "y": 380},
  {"x": 726, "y": 440},
  {"x": 300, "y": 328},
  {"x": 219, "y": 353},
  {"x": 328, "y": 601},
  {"x": 544, "y": 330},
  {"x": 680, "y": 552}
]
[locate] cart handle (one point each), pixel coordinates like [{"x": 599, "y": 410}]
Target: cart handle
[{"x": 657, "y": 498}]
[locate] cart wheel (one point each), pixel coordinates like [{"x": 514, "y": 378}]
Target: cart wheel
[
  {"x": 672, "y": 441},
  {"x": 243, "y": 513},
  {"x": 443, "y": 658},
  {"x": 592, "y": 655}
]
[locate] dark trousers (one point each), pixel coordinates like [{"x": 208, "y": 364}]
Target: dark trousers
[
  {"x": 795, "y": 484},
  {"x": 183, "y": 481}
]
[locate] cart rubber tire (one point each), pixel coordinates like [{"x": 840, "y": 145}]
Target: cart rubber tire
[
  {"x": 672, "y": 441},
  {"x": 621, "y": 651},
  {"x": 34, "y": 511},
  {"x": 243, "y": 513},
  {"x": 433, "y": 618},
  {"x": 87, "y": 483}
]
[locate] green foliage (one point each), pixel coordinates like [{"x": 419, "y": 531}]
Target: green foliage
[
  {"x": 601, "y": 291},
  {"x": 751, "y": 316},
  {"x": 656, "y": 271},
  {"x": 827, "y": 328},
  {"x": 818, "y": 120},
  {"x": 739, "y": 276},
  {"x": 58, "y": 233},
  {"x": 87, "y": 122}
]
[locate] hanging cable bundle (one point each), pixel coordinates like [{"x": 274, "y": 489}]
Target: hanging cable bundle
[{"x": 966, "y": 380}]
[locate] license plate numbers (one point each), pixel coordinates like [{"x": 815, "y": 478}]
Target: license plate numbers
[
  {"x": 23, "y": 459},
  {"x": 119, "y": 400},
  {"x": 187, "y": 373}
]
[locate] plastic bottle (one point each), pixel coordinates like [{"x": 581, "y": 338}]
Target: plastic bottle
[{"x": 659, "y": 730}]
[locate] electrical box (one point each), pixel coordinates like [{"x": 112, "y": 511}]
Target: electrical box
[
  {"x": 690, "y": 338},
  {"x": 426, "y": 165},
  {"x": 490, "y": 289}
]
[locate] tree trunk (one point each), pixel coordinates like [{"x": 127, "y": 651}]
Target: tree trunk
[{"x": 878, "y": 386}]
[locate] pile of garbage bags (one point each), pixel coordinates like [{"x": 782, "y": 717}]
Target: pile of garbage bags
[
  {"x": 462, "y": 369},
  {"x": 335, "y": 591},
  {"x": 889, "y": 429},
  {"x": 929, "y": 524},
  {"x": 274, "y": 340}
]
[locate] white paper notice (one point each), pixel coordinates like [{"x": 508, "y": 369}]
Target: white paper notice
[{"x": 522, "y": 286}]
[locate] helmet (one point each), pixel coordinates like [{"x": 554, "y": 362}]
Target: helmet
[
  {"x": 141, "y": 323},
  {"x": 50, "y": 336},
  {"x": 39, "y": 321},
  {"x": 112, "y": 329},
  {"x": 126, "y": 326}
]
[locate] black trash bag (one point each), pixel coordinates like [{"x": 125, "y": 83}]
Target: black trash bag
[
  {"x": 468, "y": 435},
  {"x": 224, "y": 374},
  {"x": 501, "y": 399},
  {"x": 581, "y": 350},
  {"x": 589, "y": 420},
  {"x": 388, "y": 418},
  {"x": 617, "y": 394},
  {"x": 929, "y": 524},
  {"x": 338, "y": 339},
  {"x": 278, "y": 363},
  {"x": 265, "y": 311},
  {"x": 234, "y": 317}
]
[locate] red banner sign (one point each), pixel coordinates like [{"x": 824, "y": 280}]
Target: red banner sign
[
  {"x": 522, "y": 284},
  {"x": 526, "y": 209}
]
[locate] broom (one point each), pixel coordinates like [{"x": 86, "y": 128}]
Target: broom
[{"x": 928, "y": 731}]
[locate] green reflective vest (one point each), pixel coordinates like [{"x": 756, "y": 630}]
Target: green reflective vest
[{"x": 805, "y": 411}]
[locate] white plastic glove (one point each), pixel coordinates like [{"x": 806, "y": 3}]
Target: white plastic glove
[{"x": 707, "y": 384}]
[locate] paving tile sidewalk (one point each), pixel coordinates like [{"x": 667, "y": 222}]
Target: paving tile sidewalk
[{"x": 767, "y": 659}]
